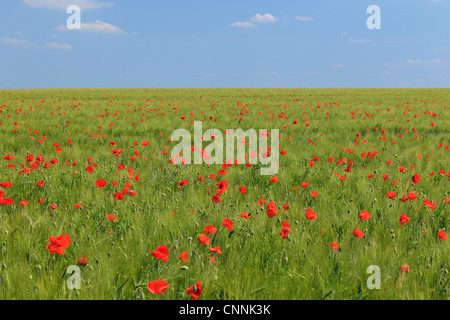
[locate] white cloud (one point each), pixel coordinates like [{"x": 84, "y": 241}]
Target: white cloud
[
  {"x": 263, "y": 18},
  {"x": 258, "y": 18},
  {"x": 64, "y": 4},
  {"x": 439, "y": 61},
  {"x": 61, "y": 27},
  {"x": 97, "y": 27},
  {"x": 13, "y": 41},
  {"x": 28, "y": 44},
  {"x": 242, "y": 24},
  {"x": 359, "y": 40},
  {"x": 300, "y": 18},
  {"x": 62, "y": 46}
]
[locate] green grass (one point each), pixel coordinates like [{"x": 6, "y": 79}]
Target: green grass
[{"x": 256, "y": 263}]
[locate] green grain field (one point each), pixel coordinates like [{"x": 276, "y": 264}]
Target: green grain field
[{"x": 332, "y": 140}]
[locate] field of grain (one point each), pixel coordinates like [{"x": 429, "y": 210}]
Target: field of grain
[{"x": 363, "y": 181}]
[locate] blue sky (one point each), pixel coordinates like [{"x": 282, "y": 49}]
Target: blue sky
[{"x": 233, "y": 43}]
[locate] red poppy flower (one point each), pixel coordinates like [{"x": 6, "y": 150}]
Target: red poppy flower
[
  {"x": 245, "y": 215},
  {"x": 429, "y": 204},
  {"x": 335, "y": 246},
  {"x": 222, "y": 187},
  {"x": 261, "y": 202},
  {"x": 6, "y": 185},
  {"x": 404, "y": 219},
  {"x": 100, "y": 183},
  {"x": 391, "y": 194},
  {"x": 83, "y": 262},
  {"x": 111, "y": 217},
  {"x": 364, "y": 215},
  {"x": 274, "y": 179},
  {"x": 183, "y": 183},
  {"x": 204, "y": 239},
  {"x": 211, "y": 259},
  {"x": 284, "y": 232},
  {"x": 442, "y": 235},
  {"x": 53, "y": 206},
  {"x": 358, "y": 233},
  {"x": 161, "y": 253},
  {"x": 310, "y": 215},
  {"x": 195, "y": 291},
  {"x": 157, "y": 286},
  {"x": 6, "y": 201},
  {"x": 314, "y": 194},
  {"x": 184, "y": 256},
  {"x": 243, "y": 190},
  {"x": 404, "y": 268},
  {"x": 78, "y": 206},
  {"x": 216, "y": 250},
  {"x": 286, "y": 229},
  {"x": 227, "y": 223},
  {"x": 304, "y": 184},
  {"x": 272, "y": 210},
  {"x": 216, "y": 198},
  {"x": 58, "y": 244},
  {"x": 416, "y": 178},
  {"x": 210, "y": 229},
  {"x": 412, "y": 196},
  {"x": 118, "y": 195}
]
